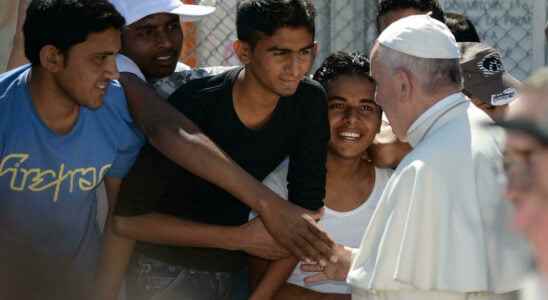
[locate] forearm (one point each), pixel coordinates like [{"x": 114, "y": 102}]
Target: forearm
[
  {"x": 169, "y": 230},
  {"x": 113, "y": 264},
  {"x": 275, "y": 277},
  {"x": 179, "y": 139},
  {"x": 290, "y": 291}
]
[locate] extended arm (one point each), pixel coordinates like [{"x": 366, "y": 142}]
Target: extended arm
[
  {"x": 164, "y": 229},
  {"x": 274, "y": 277},
  {"x": 181, "y": 141}
]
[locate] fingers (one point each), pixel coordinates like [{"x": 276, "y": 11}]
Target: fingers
[
  {"x": 319, "y": 241},
  {"x": 318, "y": 277},
  {"x": 312, "y": 254},
  {"x": 311, "y": 267},
  {"x": 296, "y": 249}
]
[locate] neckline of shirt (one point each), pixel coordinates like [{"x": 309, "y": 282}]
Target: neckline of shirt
[{"x": 367, "y": 204}]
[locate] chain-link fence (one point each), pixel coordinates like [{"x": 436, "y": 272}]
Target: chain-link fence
[
  {"x": 506, "y": 25},
  {"x": 350, "y": 25}
]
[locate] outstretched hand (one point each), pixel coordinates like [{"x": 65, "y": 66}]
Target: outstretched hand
[
  {"x": 295, "y": 228},
  {"x": 337, "y": 270}
]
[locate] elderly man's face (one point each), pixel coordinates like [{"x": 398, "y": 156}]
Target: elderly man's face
[
  {"x": 386, "y": 93},
  {"x": 526, "y": 164}
]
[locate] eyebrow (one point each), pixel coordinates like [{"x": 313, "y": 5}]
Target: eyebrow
[
  {"x": 144, "y": 26},
  {"x": 275, "y": 48},
  {"x": 106, "y": 53},
  {"x": 339, "y": 98}
]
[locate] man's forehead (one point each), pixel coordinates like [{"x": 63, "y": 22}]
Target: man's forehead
[
  {"x": 107, "y": 41},
  {"x": 289, "y": 38}
]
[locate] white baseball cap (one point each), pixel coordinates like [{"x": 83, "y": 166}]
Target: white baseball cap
[
  {"x": 420, "y": 36},
  {"x": 134, "y": 10}
]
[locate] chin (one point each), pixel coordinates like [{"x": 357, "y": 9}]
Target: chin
[
  {"x": 287, "y": 92},
  {"x": 94, "y": 105},
  {"x": 163, "y": 71},
  {"x": 348, "y": 154}
]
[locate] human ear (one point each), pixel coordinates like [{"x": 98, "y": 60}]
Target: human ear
[
  {"x": 404, "y": 84},
  {"x": 243, "y": 51},
  {"x": 51, "y": 58}
]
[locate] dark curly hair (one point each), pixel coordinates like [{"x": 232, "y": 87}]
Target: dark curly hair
[{"x": 342, "y": 63}]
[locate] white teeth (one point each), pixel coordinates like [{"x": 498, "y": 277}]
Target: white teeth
[
  {"x": 351, "y": 135},
  {"x": 164, "y": 57},
  {"x": 102, "y": 86}
]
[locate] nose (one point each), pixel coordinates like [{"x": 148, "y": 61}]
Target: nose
[
  {"x": 111, "y": 69},
  {"x": 350, "y": 115},
  {"x": 163, "y": 40},
  {"x": 294, "y": 67}
]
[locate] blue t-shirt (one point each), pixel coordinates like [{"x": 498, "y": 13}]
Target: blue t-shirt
[{"x": 47, "y": 181}]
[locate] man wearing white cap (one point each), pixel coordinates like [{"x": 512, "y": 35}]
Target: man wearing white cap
[
  {"x": 440, "y": 230},
  {"x": 152, "y": 42}
]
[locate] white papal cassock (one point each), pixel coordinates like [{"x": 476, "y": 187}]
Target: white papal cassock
[{"x": 442, "y": 229}]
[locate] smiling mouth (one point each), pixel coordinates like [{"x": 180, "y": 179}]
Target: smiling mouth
[
  {"x": 350, "y": 136},
  {"x": 166, "y": 59}
]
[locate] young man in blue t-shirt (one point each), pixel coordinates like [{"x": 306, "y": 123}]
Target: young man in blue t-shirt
[{"x": 64, "y": 129}]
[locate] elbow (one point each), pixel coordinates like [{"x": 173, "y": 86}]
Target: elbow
[{"x": 119, "y": 226}]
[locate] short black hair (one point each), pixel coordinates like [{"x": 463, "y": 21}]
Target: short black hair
[
  {"x": 342, "y": 63},
  {"x": 386, "y": 6},
  {"x": 65, "y": 23},
  {"x": 257, "y": 18},
  {"x": 462, "y": 28}
]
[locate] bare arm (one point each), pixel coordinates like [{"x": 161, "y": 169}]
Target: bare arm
[
  {"x": 275, "y": 277},
  {"x": 181, "y": 141},
  {"x": 164, "y": 229},
  {"x": 169, "y": 230},
  {"x": 116, "y": 251}
]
